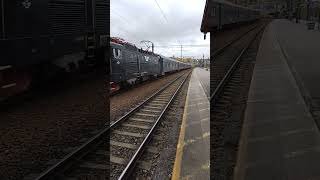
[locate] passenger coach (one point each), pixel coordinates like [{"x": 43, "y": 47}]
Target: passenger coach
[{"x": 219, "y": 14}]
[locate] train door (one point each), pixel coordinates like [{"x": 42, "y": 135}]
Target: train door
[
  {"x": 161, "y": 66},
  {"x": 116, "y": 59},
  {"x": 138, "y": 64},
  {"x": 115, "y": 64}
]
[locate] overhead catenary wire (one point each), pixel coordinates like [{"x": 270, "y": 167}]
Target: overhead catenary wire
[
  {"x": 165, "y": 17},
  {"x": 121, "y": 17},
  {"x": 163, "y": 14}
]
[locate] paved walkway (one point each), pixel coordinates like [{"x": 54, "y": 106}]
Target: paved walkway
[
  {"x": 193, "y": 150},
  {"x": 280, "y": 140},
  {"x": 302, "y": 49},
  {"x": 204, "y": 78}
]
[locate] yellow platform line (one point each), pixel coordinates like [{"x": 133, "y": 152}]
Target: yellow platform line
[{"x": 180, "y": 146}]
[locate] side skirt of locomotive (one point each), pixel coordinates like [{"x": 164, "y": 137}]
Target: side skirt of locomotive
[
  {"x": 14, "y": 80},
  {"x": 116, "y": 87}
]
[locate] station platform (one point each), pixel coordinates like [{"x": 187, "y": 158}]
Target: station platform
[
  {"x": 302, "y": 49},
  {"x": 280, "y": 140},
  {"x": 193, "y": 149}
]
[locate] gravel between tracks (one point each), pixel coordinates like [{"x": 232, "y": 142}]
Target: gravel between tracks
[
  {"x": 38, "y": 131},
  {"x": 165, "y": 140}
]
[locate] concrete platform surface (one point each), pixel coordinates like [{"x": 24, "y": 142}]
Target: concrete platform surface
[
  {"x": 279, "y": 140},
  {"x": 193, "y": 149},
  {"x": 302, "y": 50},
  {"x": 204, "y": 77}
]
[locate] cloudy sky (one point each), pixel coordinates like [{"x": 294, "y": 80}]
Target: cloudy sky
[{"x": 164, "y": 22}]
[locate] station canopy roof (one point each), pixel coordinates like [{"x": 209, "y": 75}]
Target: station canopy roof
[{"x": 205, "y": 25}]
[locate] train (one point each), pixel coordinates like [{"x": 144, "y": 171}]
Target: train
[
  {"x": 221, "y": 14},
  {"x": 40, "y": 38},
  {"x": 130, "y": 65}
]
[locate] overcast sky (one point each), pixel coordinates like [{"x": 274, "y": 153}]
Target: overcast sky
[{"x": 136, "y": 20}]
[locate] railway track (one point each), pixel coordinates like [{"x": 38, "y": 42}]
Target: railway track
[
  {"x": 228, "y": 99},
  {"x": 225, "y": 59},
  {"x": 128, "y": 138}
]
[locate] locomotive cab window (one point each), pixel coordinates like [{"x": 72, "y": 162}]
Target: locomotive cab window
[{"x": 213, "y": 11}]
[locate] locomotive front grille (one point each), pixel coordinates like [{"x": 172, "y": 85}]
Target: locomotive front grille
[
  {"x": 102, "y": 11},
  {"x": 67, "y": 17}
]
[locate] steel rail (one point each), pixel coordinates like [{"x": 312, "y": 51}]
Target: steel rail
[
  {"x": 220, "y": 50},
  {"x": 94, "y": 142},
  {"x": 133, "y": 161},
  {"x": 220, "y": 86}
]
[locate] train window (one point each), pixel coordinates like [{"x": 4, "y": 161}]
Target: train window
[{"x": 213, "y": 11}]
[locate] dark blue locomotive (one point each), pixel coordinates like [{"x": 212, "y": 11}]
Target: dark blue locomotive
[
  {"x": 129, "y": 65},
  {"x": 39, "y": 38}
]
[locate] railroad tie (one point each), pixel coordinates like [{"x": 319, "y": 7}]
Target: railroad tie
[
  {"x": 141, "y": 120},
  {"x": 162, "y": 98},
  {"x": 159, "y": 106},
  {"x": 145, "y": 165},
  {"x": 117, "y": 160},
  {"x": 136, "y": 126},
  {"x": 141, "y": 164},
  {"x": 153, "y": 107},
  {"x": 150, "y": 149},
  {"x": 124, "y": 145},
  {"x": 128, "y": 134},
  {"x": 159, "y": 102},
  {"x": 145, "y": 114},
  {"x": 152, "y": 111}
]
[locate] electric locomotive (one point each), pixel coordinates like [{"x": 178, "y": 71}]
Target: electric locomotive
[
  {"x": 130, "y": 65},
  {"x": 40, "y": 38}
]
